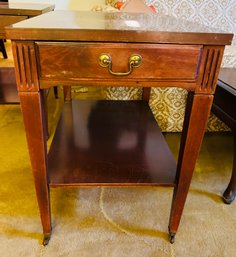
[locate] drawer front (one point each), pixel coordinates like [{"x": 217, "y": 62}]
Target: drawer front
[{"x": 81, "y": 60}]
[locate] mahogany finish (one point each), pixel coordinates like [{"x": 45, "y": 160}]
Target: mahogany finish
[
  {"x": 116, "y": 27},
  {"x": 174, "y": 53},
  {"x": 224, "y": 107},
  {"x": 36, "y": 137},
  {"x": 133, "y": 149},
  {"x": 86, "y": 55}
]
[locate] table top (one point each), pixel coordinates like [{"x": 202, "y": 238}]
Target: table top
[
  {"x": 115, "y": 27},
  {"x": 24, "y": 8},
  {"x": 228, "y": 76}
]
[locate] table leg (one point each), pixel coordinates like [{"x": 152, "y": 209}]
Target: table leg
[
  {"x": 230, "y": 192},
  {"x": 46, "y": 112},
  {"x": 146, "y": 94},
  {"x": 32, "y": 105},
  {"x": 67, "y": 93},
  {"x": 196, "y": 116}
]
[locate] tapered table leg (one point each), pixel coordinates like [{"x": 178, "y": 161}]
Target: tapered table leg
[
  {"x": 146, "y": 93},
  {"x": 196, "y": 116},
  {"x": 230, "y": 192},
  {"x": 67, "y": 93},
  {"x": 45, "y": 112},
  {"x": 32, "y": 105}
]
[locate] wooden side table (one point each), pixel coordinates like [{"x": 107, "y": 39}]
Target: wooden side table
[
  {"x": 113, "y": 142},
  {"x": 11, "y": 13},
  {"x": 224, "y": 107}
]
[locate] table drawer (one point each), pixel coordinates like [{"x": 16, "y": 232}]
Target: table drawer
[{"x": 81, "y": 60}]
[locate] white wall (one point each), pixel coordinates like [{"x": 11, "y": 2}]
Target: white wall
[{"x": 66, "y": 4}]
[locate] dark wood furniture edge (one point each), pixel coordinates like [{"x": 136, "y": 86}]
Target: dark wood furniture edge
[
  {"x": 30, "y": 12},
  {"x": 229, "y": 194},
  {"x": 227, "y": 82},
  {"x": 141, "y": 37}
]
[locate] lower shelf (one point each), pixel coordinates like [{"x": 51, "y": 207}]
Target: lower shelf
[{"x": 109, "y": 143}]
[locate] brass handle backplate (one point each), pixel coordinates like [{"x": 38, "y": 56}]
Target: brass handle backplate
[{"x": 135, "y": 61}]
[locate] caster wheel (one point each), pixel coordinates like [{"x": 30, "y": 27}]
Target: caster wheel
[
  {"x": 46, "y": 239},
  {"x": 172, "y": 237}
]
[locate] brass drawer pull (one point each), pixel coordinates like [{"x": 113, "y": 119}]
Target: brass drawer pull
[{"x": 135, "y": 61}]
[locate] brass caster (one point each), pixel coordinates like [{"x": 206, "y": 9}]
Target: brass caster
[
  {"x": 172, "y": 237},
  {"x": 46, "y": 239}
]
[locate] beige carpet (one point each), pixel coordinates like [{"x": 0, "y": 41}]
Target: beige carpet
[{"x": 114, "y": 222}]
